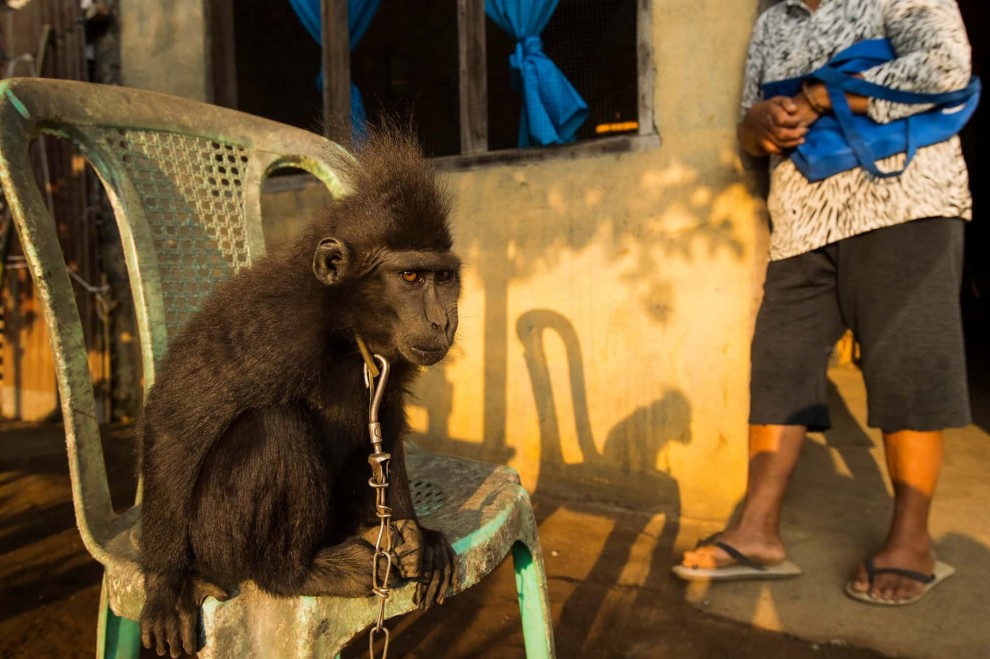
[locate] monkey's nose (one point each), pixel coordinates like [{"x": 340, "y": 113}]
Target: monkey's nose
[{"x": 440, "y": 327}]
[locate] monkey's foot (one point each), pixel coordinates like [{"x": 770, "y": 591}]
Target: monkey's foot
[{"x": 170, "y": 614}]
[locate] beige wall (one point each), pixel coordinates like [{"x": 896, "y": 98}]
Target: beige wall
[
  {"x": 616, "y": 290},
  {"x": 164, "y": 47}
]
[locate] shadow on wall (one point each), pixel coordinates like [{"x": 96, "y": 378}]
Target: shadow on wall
[
  {"x": 657, "y": 230},
  {"x": 643, "y": 226},
  {"x": 627, "y": 465},
  {"x": 623, "y": 473}
]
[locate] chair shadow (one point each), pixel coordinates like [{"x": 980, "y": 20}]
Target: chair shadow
[
  {"x": 610, "y": 482},
  {"x": 619, "y": 482}
]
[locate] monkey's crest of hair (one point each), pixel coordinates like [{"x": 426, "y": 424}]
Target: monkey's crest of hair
[{"x": 396, "y": 199}]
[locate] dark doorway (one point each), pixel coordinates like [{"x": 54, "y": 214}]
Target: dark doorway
[
  {"x": 976, "y": 285},
  {"x": 976, "y": 282}
]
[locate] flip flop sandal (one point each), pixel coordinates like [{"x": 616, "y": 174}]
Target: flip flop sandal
[
  {"x": 744, "y": 567},
  {"x": 942, "y": 572}
]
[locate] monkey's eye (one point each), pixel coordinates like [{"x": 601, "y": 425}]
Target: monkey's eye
[
  {"x": 444, "y": 275},
  {"x": 410, "y": 276}
]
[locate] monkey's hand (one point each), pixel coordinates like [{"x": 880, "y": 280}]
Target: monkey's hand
[
  {"x": 437, "y": 569},
  {"x": 170, "y": 614},
  {"x": 407, "y": 547},
  {"x": 423, "y": 555}
]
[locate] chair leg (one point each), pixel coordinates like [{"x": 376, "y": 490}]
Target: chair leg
[
  {"x": 534, "y": 603},
  {"x": 116, "y": 637}
]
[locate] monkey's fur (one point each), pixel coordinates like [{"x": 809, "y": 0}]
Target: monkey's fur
[{"x": 255, "y": 433}]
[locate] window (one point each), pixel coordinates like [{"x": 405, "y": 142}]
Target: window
[
  {"x": 445, "y": 64},
  {"x": 270, "y": 64},
  {"x": 406, "y": 66},
  {"x": 593, "y": 43}
]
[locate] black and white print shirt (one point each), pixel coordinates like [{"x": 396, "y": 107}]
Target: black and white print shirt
[{"x": 933, "y": 55}]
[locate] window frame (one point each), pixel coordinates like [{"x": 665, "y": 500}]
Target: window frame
[{"x": 473, "y": 90}]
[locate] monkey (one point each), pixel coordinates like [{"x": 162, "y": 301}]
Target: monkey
[{"x": 255, "y": 432}]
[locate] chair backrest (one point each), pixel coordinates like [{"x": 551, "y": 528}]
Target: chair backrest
[{"x": 185, "y": 182}]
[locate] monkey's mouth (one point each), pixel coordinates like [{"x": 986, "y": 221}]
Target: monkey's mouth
[{"x": 427, "y": 356}]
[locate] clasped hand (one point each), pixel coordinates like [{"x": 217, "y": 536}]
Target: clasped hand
[{"x": 776, "y": 125}]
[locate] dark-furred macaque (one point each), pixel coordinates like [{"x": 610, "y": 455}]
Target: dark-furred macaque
[{"x": 255, "y": 456}]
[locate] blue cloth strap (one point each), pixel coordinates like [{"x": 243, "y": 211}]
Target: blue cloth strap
[
  {"x": 845, "y": 141},
  {"x": 837, "y": 78}
]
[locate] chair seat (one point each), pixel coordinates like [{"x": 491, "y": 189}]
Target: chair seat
[{"x": 481, "y": 508}]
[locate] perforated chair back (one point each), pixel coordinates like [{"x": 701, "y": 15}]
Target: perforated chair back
[{"x": 185, "y": 181}]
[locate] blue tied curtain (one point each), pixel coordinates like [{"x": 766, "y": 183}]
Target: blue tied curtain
[
  {"x": 552, "y": 109},
  {"x": 359, "y": 15}
]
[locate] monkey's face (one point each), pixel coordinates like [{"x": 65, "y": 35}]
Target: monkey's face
[
  {"x": 408, "y": 299},
  {"x": 422, "y": 290}
]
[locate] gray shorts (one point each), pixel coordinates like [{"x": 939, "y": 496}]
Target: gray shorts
[{"x": 897, "y": 289}]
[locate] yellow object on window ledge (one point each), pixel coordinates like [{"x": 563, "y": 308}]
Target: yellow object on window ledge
[{"x": 619, "y": 127}]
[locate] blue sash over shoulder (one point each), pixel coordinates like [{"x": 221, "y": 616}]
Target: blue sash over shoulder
[{"x": 842, "y": 141}]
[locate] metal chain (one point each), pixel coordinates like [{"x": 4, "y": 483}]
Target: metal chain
[{"x": 378, "y": 460}]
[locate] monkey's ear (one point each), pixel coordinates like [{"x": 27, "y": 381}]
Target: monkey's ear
[{"x": 330, "y": 261}]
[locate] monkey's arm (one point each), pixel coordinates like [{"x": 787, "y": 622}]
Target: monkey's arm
[
  {"x": 185, "y": 415},
  {"x": 211, "y": 374},
  {"x": 183, "y": 420},
  {"x": 424, "y": 554}
]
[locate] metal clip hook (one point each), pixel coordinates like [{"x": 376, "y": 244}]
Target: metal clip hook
[
  {"x": 379, "y": 465},
  {"x": 376, "y": 390}
]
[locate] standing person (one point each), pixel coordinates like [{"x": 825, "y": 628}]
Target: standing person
[{"x": 880, "y": 256}]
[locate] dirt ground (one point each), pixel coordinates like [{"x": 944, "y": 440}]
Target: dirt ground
[{"x": 50, "y": 587}]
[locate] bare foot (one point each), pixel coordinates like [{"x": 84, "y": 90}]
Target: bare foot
[
  {"x": 760, "y": 547},
  {"x": 894, "y": 587}
]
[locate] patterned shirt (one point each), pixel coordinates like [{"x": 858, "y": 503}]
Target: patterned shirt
[{"x": 933, "y": 55}]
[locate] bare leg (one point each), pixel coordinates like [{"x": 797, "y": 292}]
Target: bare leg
[
  {"x": 773, "y": 454},
  {"x": 914, "y": 460}
]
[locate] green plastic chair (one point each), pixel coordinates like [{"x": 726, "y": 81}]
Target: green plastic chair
[{"x": 185, "y": 182}]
